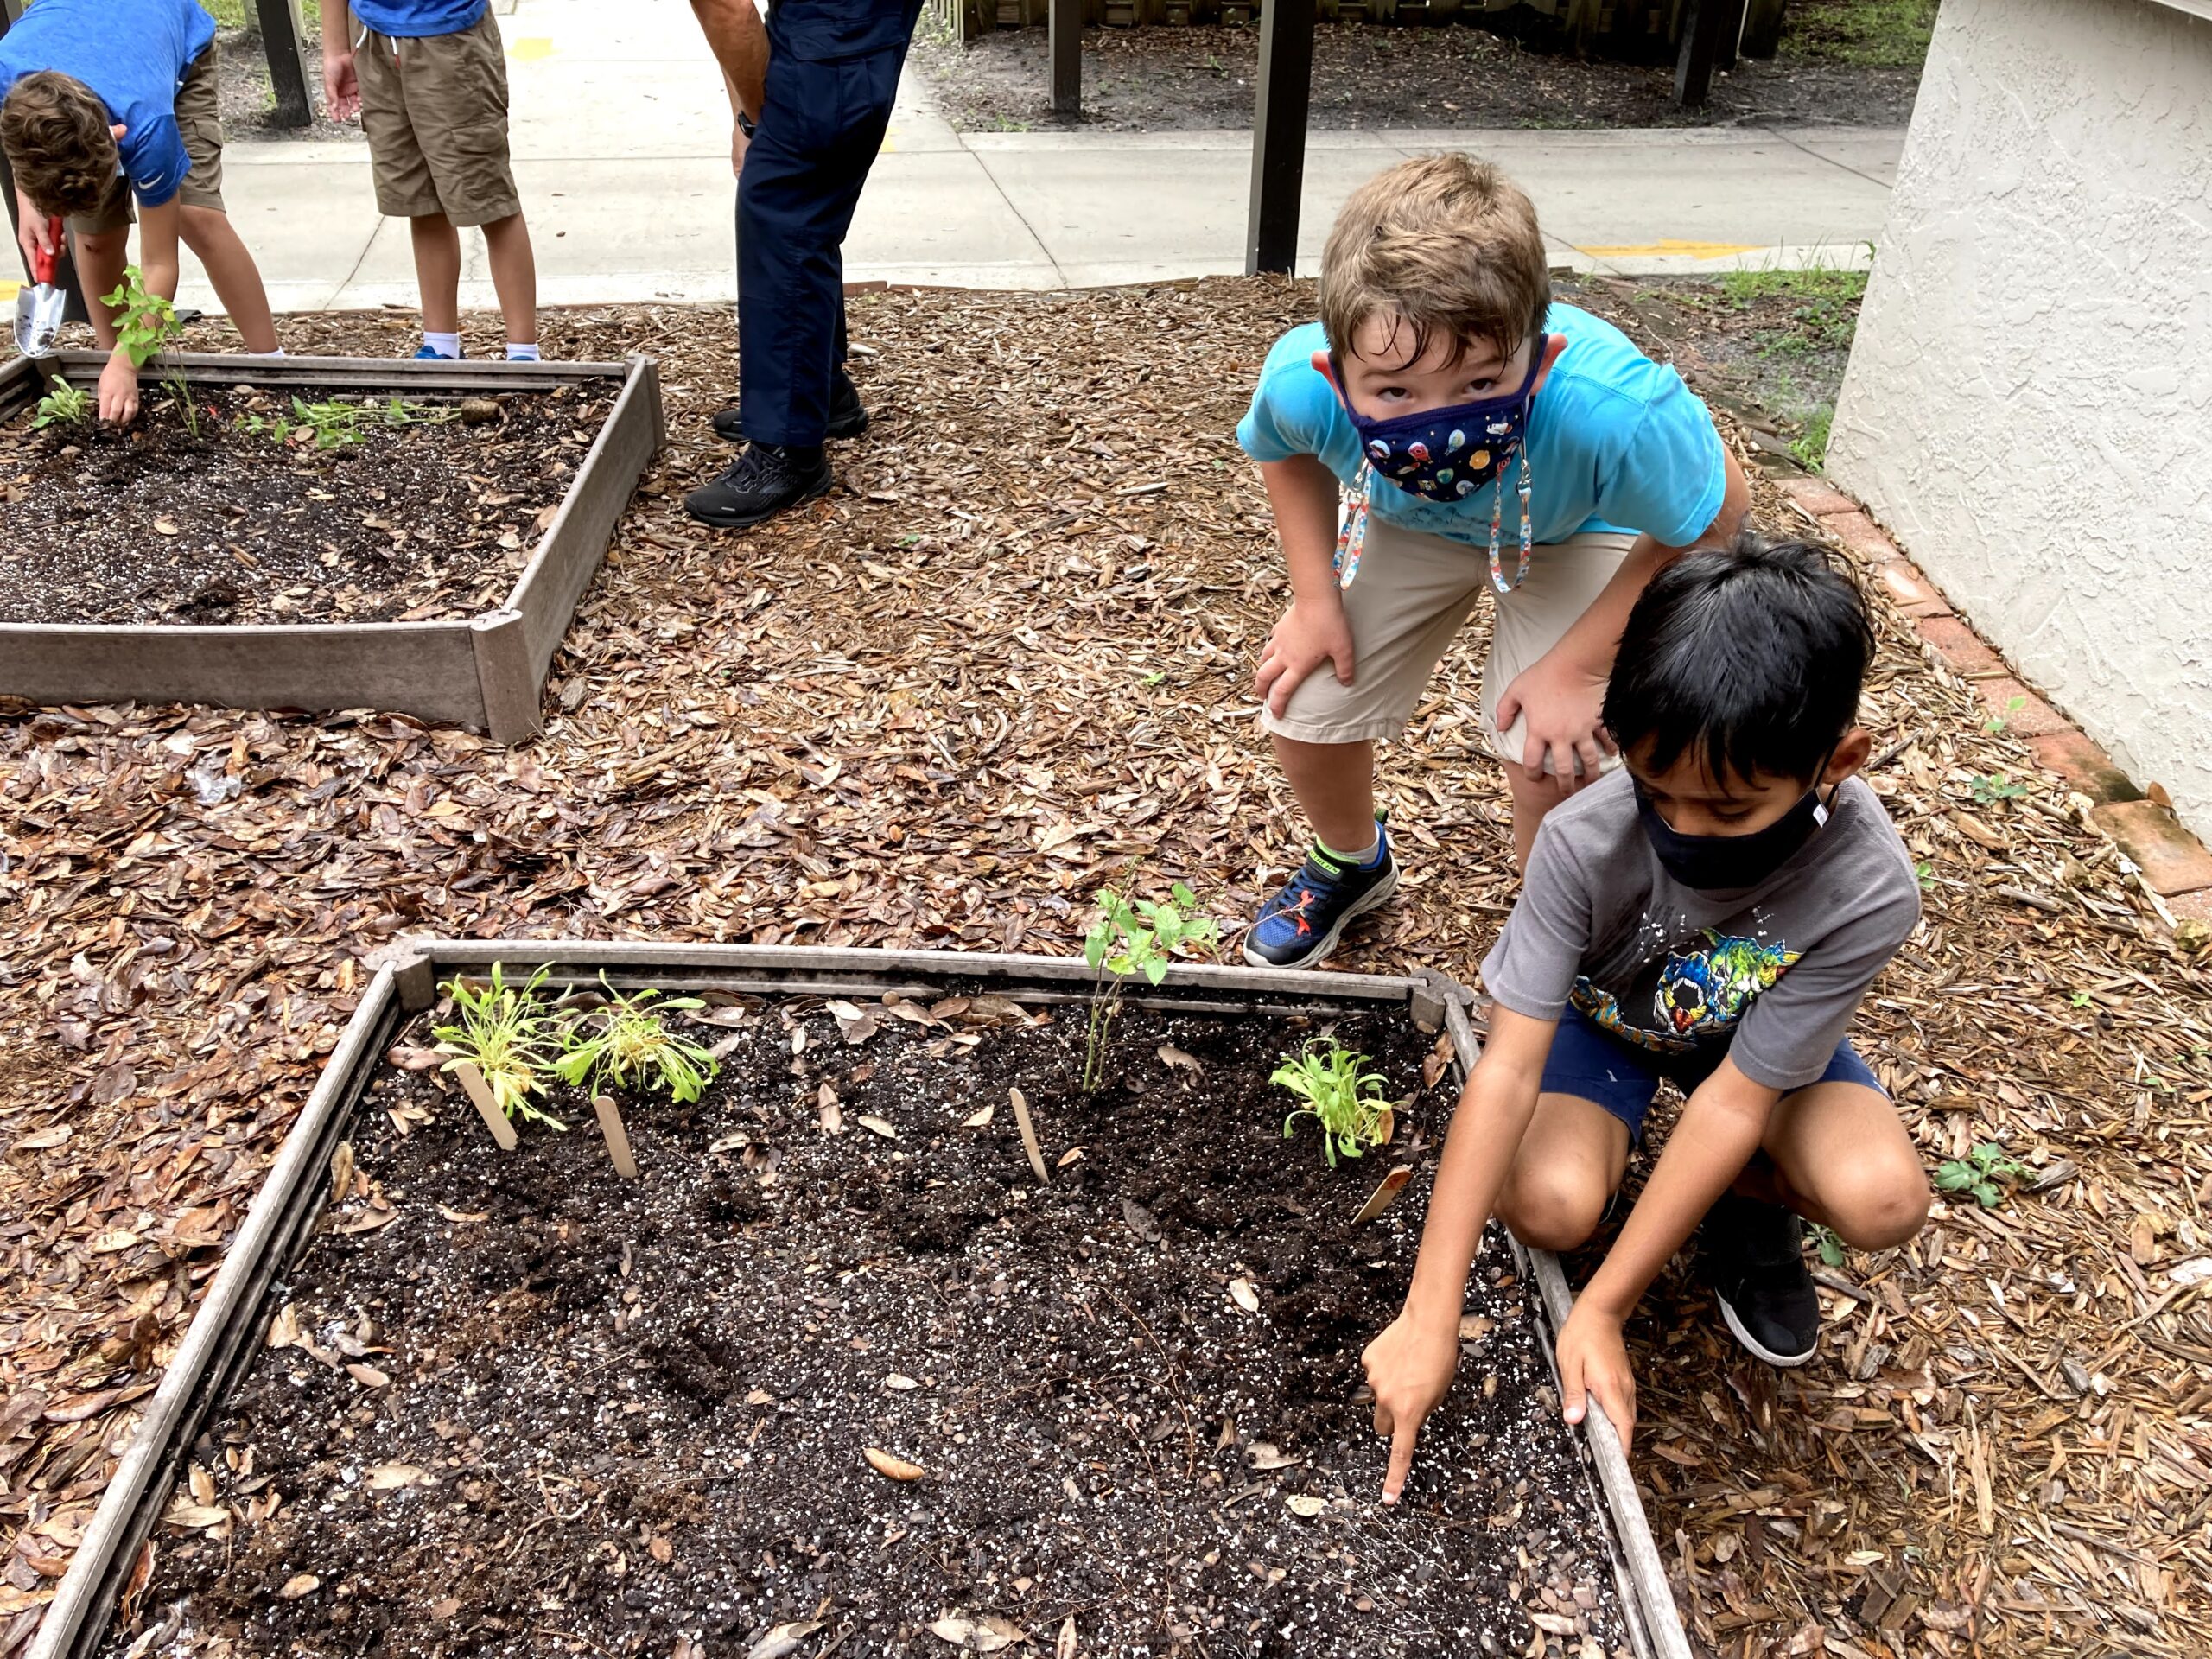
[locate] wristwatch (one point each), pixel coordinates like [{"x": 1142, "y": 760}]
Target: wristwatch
[{"x": 745, "y": 124}]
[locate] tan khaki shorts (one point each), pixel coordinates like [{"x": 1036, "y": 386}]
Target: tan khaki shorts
[
  {"x": 200, "y": 123},
  {"x": 435, "y": 113},
  {"x": 1413, "y": 594}
]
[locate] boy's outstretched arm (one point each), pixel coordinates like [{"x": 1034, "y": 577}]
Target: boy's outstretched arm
[
  {"x": 1410, "y": 1365},
  {"x": 1719, "y": 1130},
  {"x": 1313, "y": 631}
]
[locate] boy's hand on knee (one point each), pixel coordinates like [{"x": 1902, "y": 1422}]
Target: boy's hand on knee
[
  {"x": 1308, "y": 636},
  {"x": 1410, "y": 1368},
  {"x": 118, "y": 391},
  {"x": 1564, "y": 706},
  {"x": 1593, "y": 1361}
]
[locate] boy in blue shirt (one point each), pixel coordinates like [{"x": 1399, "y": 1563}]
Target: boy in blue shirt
[
  {"x": 1446, "y": 431},
  {"x": 103, "y": 100},
  {"x": 428, "y": 80}
]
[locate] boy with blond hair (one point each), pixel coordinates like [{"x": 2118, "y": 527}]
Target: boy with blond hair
[
  {"x": 1446, "y": 431},
  {"x": 428, "y": 80},
  {"x": 102, "y": 100}
]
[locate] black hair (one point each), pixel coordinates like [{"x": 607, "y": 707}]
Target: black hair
[{"x": 1751, "y": 658}]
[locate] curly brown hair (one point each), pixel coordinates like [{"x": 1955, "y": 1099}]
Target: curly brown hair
[
  {"x": 60, "y": 141},
  {"x": 1445, "y": 244}
]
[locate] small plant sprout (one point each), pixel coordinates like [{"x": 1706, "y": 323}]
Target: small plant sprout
[
  {"x": 1991, "y": 788},
  {"x": 1129, "y": 937},
  {"x": 1827, "y": 1244},
  {"x": 145, "y": 326},
  {"x": 507, "y": 1034},
  {"x": 628, "y": 1044},
  {"x": 66, "y": 405},
  {"x": 1335, "y": 1089},
  {"x": 1986, "y": 1175}
]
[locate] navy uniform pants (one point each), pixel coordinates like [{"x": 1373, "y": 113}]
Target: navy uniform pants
[{"x": 833, "y": 71}]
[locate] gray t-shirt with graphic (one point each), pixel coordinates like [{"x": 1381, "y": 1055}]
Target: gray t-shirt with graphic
[{"x": 1774, "y": 971}]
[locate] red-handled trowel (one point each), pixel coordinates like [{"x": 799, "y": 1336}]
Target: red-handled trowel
[{"x": 39, "y": 307}]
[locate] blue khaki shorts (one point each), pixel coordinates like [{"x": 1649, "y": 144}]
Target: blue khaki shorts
[{"x": 1588, "y": 1063}]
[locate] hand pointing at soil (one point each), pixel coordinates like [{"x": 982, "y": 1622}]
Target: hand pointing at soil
[{"x": 1410, "y": 1368}]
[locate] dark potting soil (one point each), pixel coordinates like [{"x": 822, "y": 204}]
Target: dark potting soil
[
  {"x": 154, "y": 524},
  {"x": 517, "y": 1405}
]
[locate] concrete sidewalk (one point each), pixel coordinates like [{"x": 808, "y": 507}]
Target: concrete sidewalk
[{"x": 621, "y": 134}]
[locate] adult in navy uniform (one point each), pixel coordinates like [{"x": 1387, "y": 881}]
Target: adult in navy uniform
[{"x": 815, "y": 90}]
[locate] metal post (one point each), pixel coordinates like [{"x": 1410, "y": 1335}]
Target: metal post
[
  {"x": 292, "y": 78},
  {"x": 1066, "y": 22},
  {"x": 1279, "y": 134},
  {"x": 65, "y": 266}
]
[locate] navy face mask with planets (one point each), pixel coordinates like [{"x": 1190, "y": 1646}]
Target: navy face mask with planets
[{"x": 1446, "y": 454}]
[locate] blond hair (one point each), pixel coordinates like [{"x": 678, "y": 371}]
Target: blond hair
[
  {"x": 1445, "y": 244},
  {"x": 59, "y": 143}
]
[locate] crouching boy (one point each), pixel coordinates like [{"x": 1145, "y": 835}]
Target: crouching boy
[
  {"x": 103, "y": 100},
  {"x": 1711, "y": 913}
]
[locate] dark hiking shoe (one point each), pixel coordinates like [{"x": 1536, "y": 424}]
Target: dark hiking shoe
[
  {"x": 1301, "y": 924},
  {"x": 1753, "y": 1256},
  {"x": 847, "y": 415},
  {"x": 764, "y": 480}
]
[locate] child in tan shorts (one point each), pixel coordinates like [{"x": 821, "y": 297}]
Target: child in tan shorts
[
  {"x": 1446, "y": 432},
  {"x": 428, "y": 79},
  {"x": 103, "y": 100}
]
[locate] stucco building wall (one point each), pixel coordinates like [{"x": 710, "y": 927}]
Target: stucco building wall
[{"x": 2029, "y": 402}]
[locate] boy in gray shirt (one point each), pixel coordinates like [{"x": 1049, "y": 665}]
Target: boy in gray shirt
[{"x": 1711, "y": 913}]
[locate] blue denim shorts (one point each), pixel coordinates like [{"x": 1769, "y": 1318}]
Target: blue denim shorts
[{"x": 1588, "y": 1063}]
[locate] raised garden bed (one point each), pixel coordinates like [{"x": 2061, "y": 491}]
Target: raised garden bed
[
  {"x": 850, "y": 1365},
  {"x": 426, "y": 567}
]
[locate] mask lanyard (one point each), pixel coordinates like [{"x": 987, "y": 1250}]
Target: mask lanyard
[
  {"x": 1351, "y": 535},
  {"x": 1497, "y": 514}
]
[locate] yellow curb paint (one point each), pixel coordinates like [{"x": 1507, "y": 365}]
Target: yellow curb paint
[
  {"x": 534, "y": 48},
  {"x": 1672, "y": 249},
  {"x": 8, "y": 290}
]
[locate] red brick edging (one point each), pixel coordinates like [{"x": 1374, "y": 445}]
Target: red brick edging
[{"x": 2174, "y": 864}]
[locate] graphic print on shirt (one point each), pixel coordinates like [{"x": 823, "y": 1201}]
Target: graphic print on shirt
[{"x": 1704, "y": 988}]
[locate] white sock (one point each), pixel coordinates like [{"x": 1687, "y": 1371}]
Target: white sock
[
  {"x": 443, "y": 345},
  {"x": 1363, "y": 859},
  {"x": 279, "y": 352},
  {"x": 519, "y": 351}
]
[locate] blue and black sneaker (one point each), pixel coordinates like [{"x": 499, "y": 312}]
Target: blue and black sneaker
[
  {"x": 432, "y": 354},
  {"x": 1753, "y": 1256},
  {"x": 1301, "y": 924}
]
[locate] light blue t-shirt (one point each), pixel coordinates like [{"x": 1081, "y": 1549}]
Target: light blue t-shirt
[
  {"x": 416, "y": 20},
  {"x": 1616, "y": 441},
  {"x": 132, "y": 54}
]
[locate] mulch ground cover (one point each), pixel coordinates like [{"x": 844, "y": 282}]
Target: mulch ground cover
[
  {"x": 1009, "y": 662},
  {"x": 1162, "y": 79},
  {"x": 841, "y": 1365},
  {"x": 256, "y": 515}
]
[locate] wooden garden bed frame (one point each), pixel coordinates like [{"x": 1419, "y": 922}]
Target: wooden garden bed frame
[
  {"x": 227, "y": 1333},
  {"x": 483, "y": 672}
]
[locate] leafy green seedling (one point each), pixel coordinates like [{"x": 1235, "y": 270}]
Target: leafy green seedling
[
  {"x": 1827, "y": 1245},
  {"x": 1993, "y": 788},
  {"x": 1996, "y": 722},
  {"x": 629, "y": 1045},
  {"x": 1335, "y": 1091},
  {"x": 1986, "y": 1173},
  {"x": 507, "y": 1034},
  {"x": 66, "y": 405},
  {"x": 1924, "y": 873},
  {"x": 146, "y": 325},
  {"x": 1132, "y": 938}
]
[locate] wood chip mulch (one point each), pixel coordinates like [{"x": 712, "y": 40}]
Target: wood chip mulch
[{"x": 1010, "y": 662}]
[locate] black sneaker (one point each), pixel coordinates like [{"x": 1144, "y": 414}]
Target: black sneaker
[
  {"x": 1753, "y": 1256},
  {"x": 765, "y": 480},
  {"x": 847, "y": 415},
  {"x": 1302, "y": 922}
]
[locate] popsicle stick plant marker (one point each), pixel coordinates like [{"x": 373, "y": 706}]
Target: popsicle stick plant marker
[{"x": 1130, "y": 938}]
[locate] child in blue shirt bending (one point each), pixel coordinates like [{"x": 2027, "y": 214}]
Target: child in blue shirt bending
[
  {"x": 102, "y": 100},
  {"x": 1446, "y": 432}
]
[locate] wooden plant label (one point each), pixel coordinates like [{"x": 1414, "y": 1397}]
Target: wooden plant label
[
  {"x": 1029, "y": 1136},
  {"x": 1385, "y": 1195},
  {"x": 479, "y": 1093},
  {"x": 618, "y": 1139}
]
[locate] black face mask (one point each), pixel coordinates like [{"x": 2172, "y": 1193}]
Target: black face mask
[{"x": 1711, "y": 862}]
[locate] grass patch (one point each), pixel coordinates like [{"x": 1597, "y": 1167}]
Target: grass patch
[
  {"x": 1825, "y": 312},
  {"x": 239, "y": 14},
  {"x": 1865, "y": 33}
]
